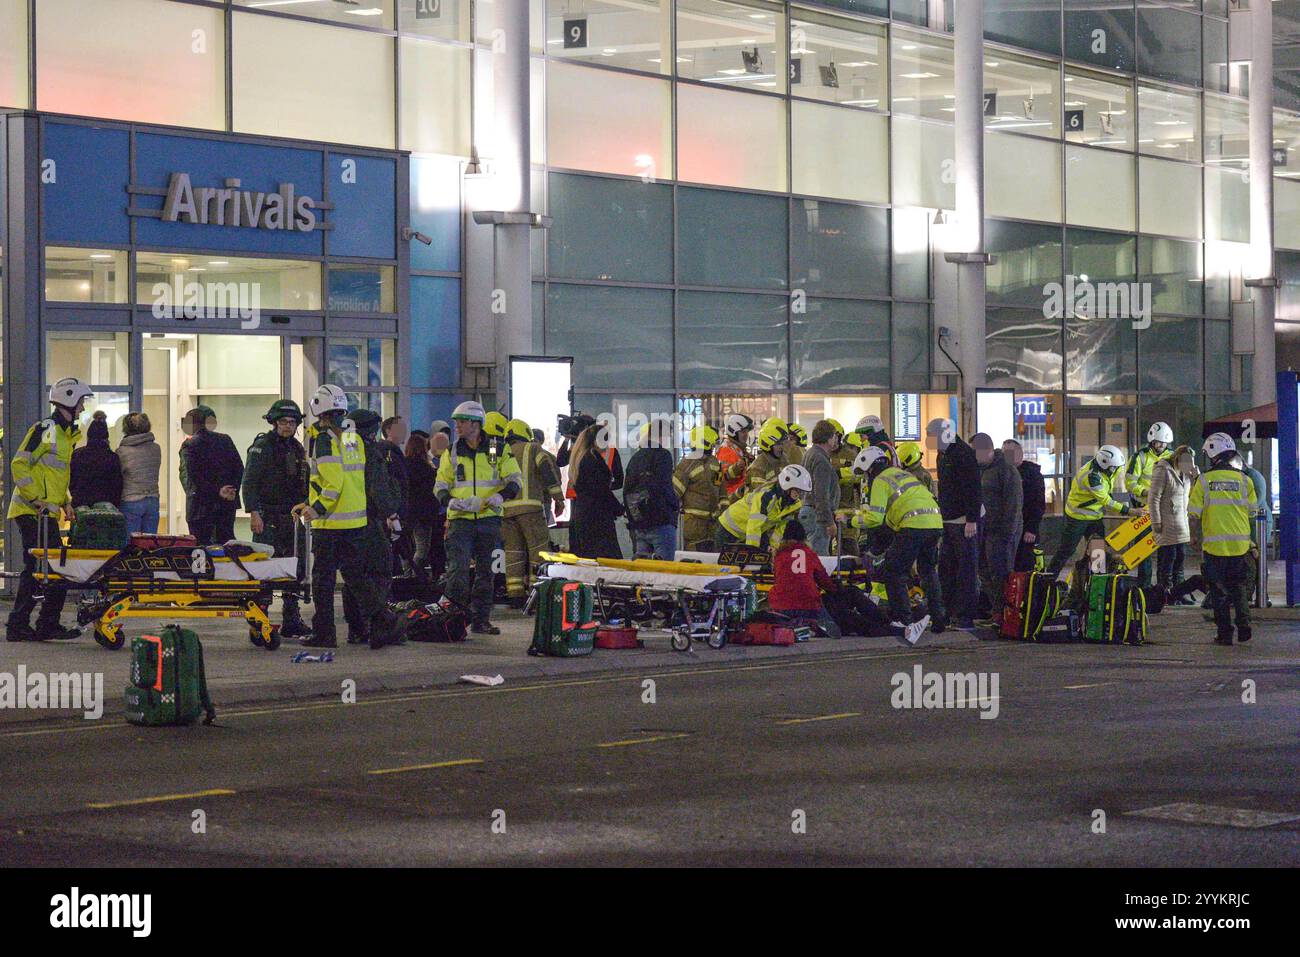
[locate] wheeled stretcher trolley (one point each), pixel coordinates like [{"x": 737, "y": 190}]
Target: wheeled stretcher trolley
[{"x": 236, "y": 580}]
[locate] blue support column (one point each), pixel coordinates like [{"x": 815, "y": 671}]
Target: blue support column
[{"x": 1288, "y": 470}]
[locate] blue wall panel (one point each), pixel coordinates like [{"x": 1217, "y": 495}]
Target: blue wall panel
[
  {"x": 87, "y": 201},
  {"x": 364, "y": 210}
]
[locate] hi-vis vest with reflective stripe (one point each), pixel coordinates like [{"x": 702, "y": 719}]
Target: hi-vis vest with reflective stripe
[
  {"x": 898, "y": 499},
  {"x": 337, "y": 488},
  {"x": 479, "y": 474},
  {"x": 1224, "y": 500},
  {"x": 1141, "y": 470},
  {"x": 752, "y": 515},
  {"x": 539, "y": 476},
  {"x": 41, "y": 467},
  {"x": 1086, "y": 501}
]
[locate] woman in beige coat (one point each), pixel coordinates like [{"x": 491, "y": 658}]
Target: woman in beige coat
[{"x": 1171, "y": 484}]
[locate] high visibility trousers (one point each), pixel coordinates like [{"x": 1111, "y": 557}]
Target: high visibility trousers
[
  {"x": 524, "y": 535},
  {"x": 697, "y": 533}
]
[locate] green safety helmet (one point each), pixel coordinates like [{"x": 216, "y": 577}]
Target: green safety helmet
[
  {"x": 774, "y": 430},
  {"x": 283, "y": 409}
]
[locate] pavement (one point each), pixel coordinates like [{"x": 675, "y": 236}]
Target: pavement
[{"x": 1181, "y": 752}]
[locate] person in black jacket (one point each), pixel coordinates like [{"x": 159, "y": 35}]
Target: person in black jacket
[
  {"x": 959, "y": 506},
  {"x": 213, "y": 473},
  {"x": 96, "y": 472},
  {"x": 393, "y": 432},
  {"x": 592, "y": 533},
  {"x": 424, "y": 513},
  {"x": 649, "y": 497},
  {"x": 1035, "y": 493}
]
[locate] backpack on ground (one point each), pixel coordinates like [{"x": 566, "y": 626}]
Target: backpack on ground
[
  {"x": 1029, "y": 599},
  {"x": 563, "y": 623},
  {"x": 1061, "y": 628},
  {"x": 1117, "y": 611},
  {"x": 168, "y": 682},
  {"x": 422, "y": 621}
]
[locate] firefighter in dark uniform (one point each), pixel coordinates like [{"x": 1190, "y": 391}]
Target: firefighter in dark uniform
[
  {"x": 275, "y": 480},
  {"x": 383, "y": 502},
  {"x": 337, "y": 510}
]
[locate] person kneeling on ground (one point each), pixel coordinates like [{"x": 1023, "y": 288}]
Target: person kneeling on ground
[{"x": 798, "y": 580}]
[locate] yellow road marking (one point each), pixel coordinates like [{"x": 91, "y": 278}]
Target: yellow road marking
[
  {"x": 426, "y": 767},
  {"x": 631, "y": 741},
  {"x": 539, "y": 686},
  {"x": 1100, "y": 684},
  {"x": 211, "y": 792},
  {"x": 823, "y": 717}
]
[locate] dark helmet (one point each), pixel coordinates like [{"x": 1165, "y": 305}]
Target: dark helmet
[{"x": 283, "y": 409}]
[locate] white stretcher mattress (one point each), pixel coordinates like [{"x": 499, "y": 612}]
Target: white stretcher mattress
[
  {"x": 831, "y": 562},
  {"x": 590, "y": 574},
  {"x": 82, "y": 570}
]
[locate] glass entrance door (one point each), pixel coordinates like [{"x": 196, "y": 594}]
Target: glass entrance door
[
  {"x": 238, "y": 377},
  {"x": 1093, "y": 427}
]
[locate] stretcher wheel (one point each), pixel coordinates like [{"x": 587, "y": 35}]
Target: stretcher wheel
[
  {"x": 717, "y": 638},
  {"x": 273, "y": 642},
  {"x": 112, "y": 643},
  {"x": 681, "y": 641}
]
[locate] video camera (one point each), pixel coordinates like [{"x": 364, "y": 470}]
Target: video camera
[{"x": 572, "y": 426}]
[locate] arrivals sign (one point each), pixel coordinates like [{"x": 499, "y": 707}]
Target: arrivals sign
[{"x": 229, "y": 205}]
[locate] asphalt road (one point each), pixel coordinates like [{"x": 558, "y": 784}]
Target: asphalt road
[{"x": 715, "y": 771}]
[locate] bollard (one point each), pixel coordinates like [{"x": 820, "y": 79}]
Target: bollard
[{"x": 1261, "y": 576}]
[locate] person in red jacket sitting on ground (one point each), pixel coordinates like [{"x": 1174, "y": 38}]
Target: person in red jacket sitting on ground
[{"x": 799, "y": 578}]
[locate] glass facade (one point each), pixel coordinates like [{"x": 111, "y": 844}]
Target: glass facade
[{"x": 747, "y": 198}]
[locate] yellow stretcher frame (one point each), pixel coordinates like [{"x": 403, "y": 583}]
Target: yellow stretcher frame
[{"x": 194, "y": 598}]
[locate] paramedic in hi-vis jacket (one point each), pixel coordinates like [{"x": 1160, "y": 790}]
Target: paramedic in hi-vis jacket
[
  {"x": 336, "y": 509},
  {"x": 41, "y": 468},
  {"x": 1223, "y": 505},
  {"x": 474, "y": 483}
]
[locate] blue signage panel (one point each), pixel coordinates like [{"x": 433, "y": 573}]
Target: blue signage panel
[
  {"x": 84, "y": 174},
  {"x": 1288, "y": 471},
  {"x": 907, "y": 416},
  {"x": 261, "y": 172},
  {"x": 363, "y": 190}
]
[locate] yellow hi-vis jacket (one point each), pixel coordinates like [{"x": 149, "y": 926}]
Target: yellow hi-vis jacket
[
  {"x": 899, "y": 500},
  {"x": 538, "y": 475},
  {"x": 465, "y": 473},
  {"x": 1090, "y": 495},
  {"x": 1224, "y": 500},
  {"x": 757, "y": 513},
  {"x": 41, "y": 467},
  {"x": 697, "y": 479},
  {"x": 1140, "y": 471},
  {"x": 336, "y": 490}
]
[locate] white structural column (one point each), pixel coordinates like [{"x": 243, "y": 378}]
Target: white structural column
[
  {"x": 512, "y": 168},
  {"x": 965, "y": 241},
  {"x": 1260, "y": 275}
]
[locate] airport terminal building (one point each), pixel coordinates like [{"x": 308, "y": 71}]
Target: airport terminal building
[{"x": 1087, "y": 210}]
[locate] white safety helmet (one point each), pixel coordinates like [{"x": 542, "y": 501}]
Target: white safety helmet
[
  {"x": 795, "y": 476},
  {"x": 868, "y": 458},
  {"x": 68, "y": 392},
  {"x": 1109, "y": 457},
  {"x": 869, "y": 423},
  {"x": 470, "y": 411},
  {"x": 735, "y": 423},
  {"x": 1160, "y": 432},
  {"x": 326, "y": 399},
  {"x": 1217, "y": 444}
]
